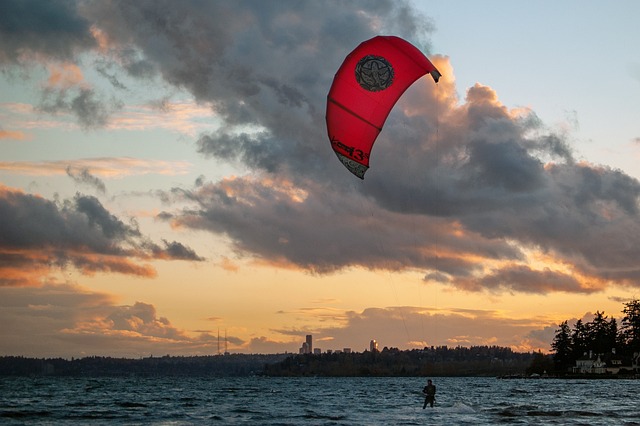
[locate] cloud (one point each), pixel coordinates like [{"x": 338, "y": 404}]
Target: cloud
[
  {"x": 179, "y": 116},
  {"x": 12, "y": 134},
  {"x": 106, "y": 167},
  {"x": 64, "y": 76},
  {"x": 86, "y": 178},
  {"x": 521, "y": 278},
  {"x": 54, "y": 34},
  {"x": 39, "y": 27},
  {"x": 417, "y": 327},
  {"x": 176, "y": 250},
  {"x": 67, "y": 320},
  {"x": 257, "y": 64},
  {"x": 264, "y": 345},
  {"x": 38, "y": 236},
  {"x": 141, "y": 319},
  {"x": 70, "y": 320},
  {"x": 472, "y": 196},
  {"x": 183, "y": 117},
  {"x": 319, "y": 230},
  {"x": 467, "y": 191},
  {"x": 84, "y": 103}
]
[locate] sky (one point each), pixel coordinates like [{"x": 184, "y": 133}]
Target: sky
[{"x": 167, "y": 185}]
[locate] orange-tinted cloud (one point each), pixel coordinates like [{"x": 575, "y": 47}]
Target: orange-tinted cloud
[
  {"x": 38, "y": 236},
  {"x": 13, "y": 134},
  {"x": 187, "y": 118},
  {"x": 229, "y": 265},
  {"x": 64, "y": 76},
  {"x": 417, "y": 327},
  {"x": 104, "y": 167},
  {"x": 66, "y": 320}
]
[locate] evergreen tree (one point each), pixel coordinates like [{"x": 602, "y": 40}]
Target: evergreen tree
[
  {"x": 630, "y": 330},
  {"x": 613, "y": 335},
  {"x": 540, "y": 364},
  {"x": 562, "y": 347},
  {"x": 601, "y": 334},
  {"x": 580, "y": 339}
]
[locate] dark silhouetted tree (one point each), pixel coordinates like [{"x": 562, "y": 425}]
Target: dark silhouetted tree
[
  {"x": 562, "y": 347},
  {"x": 540, "y": 364},
  {"x": 630, "y": 330},
  {"x": 580, "y": 339},
  {"x": 602, "y": 333}
]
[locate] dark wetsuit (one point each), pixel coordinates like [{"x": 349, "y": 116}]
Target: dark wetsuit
[{"x": 430, "y": 392}]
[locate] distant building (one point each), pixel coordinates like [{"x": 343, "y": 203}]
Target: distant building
[
  {"x": 309, "y": 343},
  {"x": 609, "y": 363},
  {"x": 317, "y": 351},
  {"x": 589, "y": 364},
  {"x": 346, "y": 350},
  {"x": 373, "y": 346}
]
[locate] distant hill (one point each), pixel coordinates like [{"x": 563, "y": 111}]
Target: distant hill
[
  {"x": 224, "y": 365},
  {"x": 435, "y": 361}
]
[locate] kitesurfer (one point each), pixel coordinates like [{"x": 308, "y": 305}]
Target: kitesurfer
[{"x": 430, "y": 394}]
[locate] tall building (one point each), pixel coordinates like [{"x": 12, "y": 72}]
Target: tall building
[
  {"x": 309, "y": 344},
  {"x": 373, "y": 346}
]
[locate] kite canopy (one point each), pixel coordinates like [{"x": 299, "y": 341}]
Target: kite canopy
[{"x": 364, "y": 90}]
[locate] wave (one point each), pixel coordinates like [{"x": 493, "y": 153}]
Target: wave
[{"x": 24, "y": 414}]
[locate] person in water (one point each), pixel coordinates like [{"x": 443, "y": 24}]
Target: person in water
[{"x": 430, "y": 394}]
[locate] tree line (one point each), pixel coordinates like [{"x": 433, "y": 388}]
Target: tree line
[
  {"x": 600, "y": 336},
  {"x": 96, "y": 366},
  {"x": 433, "y": 361}
]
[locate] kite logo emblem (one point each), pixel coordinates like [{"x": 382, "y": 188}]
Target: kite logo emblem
[{"x": 374, "y": 73}]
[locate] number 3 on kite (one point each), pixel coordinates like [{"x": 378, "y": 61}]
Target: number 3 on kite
[{"x": 364, "y": 90}]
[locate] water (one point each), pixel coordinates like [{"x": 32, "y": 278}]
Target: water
[{"x": 316, "y": 401}]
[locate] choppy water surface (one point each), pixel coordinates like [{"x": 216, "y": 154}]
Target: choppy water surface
[{"x": 316, "y": 401}]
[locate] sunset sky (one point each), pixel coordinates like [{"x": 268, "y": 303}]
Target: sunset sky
[{"x": 166, "y": 176}]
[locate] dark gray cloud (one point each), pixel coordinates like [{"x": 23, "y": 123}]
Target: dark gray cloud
[
  {"x": 37, "y": 234},
  {"x": 263, "y": 66},
  {"x": 53, "y": 29},
  {"x": 177, "y": 250},
  {"x": 524, "y": 279},
  {"x": 85, "y": 177},
  {"x": 453, "y": 184},
  {"x": 37, "y": 31},
  {"x": 491, "y": 184},
  {"x": 85, "y": 104},
  {"x": 317, "y": 229}
]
